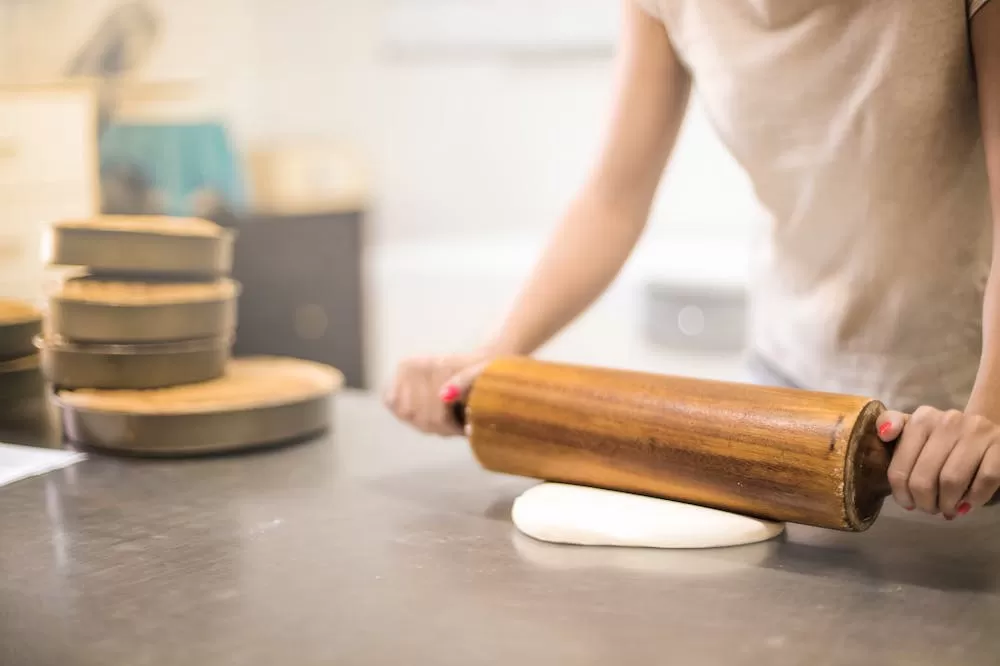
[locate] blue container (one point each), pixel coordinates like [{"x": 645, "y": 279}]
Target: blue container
[{"x": 176, "y": 161}]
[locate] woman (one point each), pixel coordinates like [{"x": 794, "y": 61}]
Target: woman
[{"x": 871, "y": 133}]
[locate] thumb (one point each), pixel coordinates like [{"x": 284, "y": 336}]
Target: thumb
[
  {"x": 458, "y": 386},
  {"x": 890, "y": 425}
]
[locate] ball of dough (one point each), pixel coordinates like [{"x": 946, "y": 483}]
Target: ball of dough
[{"x": 579, "y": 515}]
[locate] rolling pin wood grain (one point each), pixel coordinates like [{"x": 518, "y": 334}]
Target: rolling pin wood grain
[{"x": 781, "y": 454}]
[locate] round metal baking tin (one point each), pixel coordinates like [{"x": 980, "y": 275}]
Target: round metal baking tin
[
  {"x": 139, "y": 366},
  {"x": 141, "y": 252},
  {"x": 16, "y": 337},
  {"x": 21, "y": 379},
  {"x": 125, "y": 323}
]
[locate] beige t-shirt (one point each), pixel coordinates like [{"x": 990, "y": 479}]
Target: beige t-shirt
[{"x": 857, "y": 124}]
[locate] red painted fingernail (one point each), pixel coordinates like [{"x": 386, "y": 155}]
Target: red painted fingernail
[
  {"x": 449, "y": 393},
  {"x": 908, "y": 508},
  {"x": 884, "y": 428},
  {"x": 964, "y": 508}
]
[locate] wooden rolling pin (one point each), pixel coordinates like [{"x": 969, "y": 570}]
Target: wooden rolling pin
[{"x": 780, "y": 454}]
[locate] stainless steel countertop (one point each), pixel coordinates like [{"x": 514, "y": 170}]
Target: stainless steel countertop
[{"x": 378, "y": 546}]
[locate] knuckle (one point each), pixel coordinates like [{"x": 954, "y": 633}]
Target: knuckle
[
  {"x": 952, "y": 418},
  {"x": 415, "y": 364},
  {"x": 898, "y": 477},
  {"x": 989, "y": 474},
  {"x": 922, "y": 485},
  {"x": 925, "y": 414},
  {"x": 953, "y": 483}
]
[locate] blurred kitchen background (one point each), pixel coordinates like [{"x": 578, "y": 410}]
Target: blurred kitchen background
[{"x": 393, "y": 168}]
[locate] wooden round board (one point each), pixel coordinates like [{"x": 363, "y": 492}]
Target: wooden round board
[
  {"x": 20, "y": 322},
  {"x": 259, "y": 401}
]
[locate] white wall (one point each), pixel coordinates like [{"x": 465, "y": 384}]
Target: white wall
[
  {"x": 464, "y": 147},
  {"x": 203, "y": 44},
  {"x": 456, "y": 147}
]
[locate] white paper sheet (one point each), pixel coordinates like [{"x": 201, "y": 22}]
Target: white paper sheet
[{"x": 22, "y": 462}]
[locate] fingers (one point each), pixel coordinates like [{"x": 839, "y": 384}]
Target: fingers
[
  {"x": 399, "y": 401},
  {"x": 925, "y": 477},
  {"x": 442, "y": 421},
  {"x": 960, "y": 470},
  {"x": 908, "y": 447},
  {"x": 457, "y": 387},
  {"x": 422, "y": 393},
  {"x": 944, "y": 462},
  {"x": 987, "y": 480},
  {"x": 890, "y": 425},
  {"x": 424, "y": 416},
  {"x": 432, "y": 414}
]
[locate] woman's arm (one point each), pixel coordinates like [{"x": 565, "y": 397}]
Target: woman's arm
[
  {"x": 949, "y": 462},
  {"x": 595, "y": 236},
  {"x": 605, "y": 220},
  {"x": 985, "y": 399}
]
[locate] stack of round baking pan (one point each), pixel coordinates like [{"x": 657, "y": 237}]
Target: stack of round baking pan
[
  {"x": 153, "y": 309},
  {"x": 259, "y": 401},
  {"x": 137, "y": 347},
  {"x": 20, "y": 379}
]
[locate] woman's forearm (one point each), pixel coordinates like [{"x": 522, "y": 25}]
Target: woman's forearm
[
  {"x": 583, "y": 257},
  {"x": 606, "y": 220},
  {"x": 985, "y": 399}
]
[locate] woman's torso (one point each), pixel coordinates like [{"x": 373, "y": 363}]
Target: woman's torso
[{"x": 856, "y": 121}]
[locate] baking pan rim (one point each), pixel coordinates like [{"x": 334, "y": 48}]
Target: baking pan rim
[
  {"x": 236, "y": 284},
  {"x": 42, "y": 343},
  {"x": 62, "y": 404}
]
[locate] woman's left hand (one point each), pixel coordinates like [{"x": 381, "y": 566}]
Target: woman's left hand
[{"x": 944, "y": 462}]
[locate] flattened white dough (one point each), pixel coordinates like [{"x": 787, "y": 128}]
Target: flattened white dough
[{"x": 561, "y": 513}]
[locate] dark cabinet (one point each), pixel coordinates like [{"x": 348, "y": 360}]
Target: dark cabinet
[{"x": 302, "y": 289}]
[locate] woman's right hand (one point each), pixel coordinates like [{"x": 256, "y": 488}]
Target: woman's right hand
[{"x": 424, "y": 389}]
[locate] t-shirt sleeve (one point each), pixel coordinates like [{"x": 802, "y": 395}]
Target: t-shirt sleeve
[
  {"x": 652, "y": 7},
  {"x": 973, "y": 5}
]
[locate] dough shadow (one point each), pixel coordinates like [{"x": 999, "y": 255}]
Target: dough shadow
[{"x": 500, "y": 509}]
